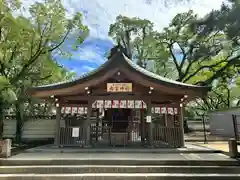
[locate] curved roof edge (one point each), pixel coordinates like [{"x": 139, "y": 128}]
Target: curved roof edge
[
  {"x": 160, "y": 78},
  {"x": 118, "y": 50}
]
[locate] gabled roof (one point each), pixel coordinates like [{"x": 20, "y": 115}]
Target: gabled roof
[{"x": 118, "y": 60}]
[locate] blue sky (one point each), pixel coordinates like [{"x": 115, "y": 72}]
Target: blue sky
[{"x": 99, "y": 14}]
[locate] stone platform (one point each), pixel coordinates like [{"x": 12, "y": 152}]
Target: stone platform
[
  {"x": 189, "y": 148},
  {"x": 119, "y": 166}
]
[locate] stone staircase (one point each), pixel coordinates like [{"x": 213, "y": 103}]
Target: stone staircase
[{"x": 118, "y": 169}]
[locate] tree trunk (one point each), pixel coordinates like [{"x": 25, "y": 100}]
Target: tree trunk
[
  {"x": 19, "y": 123},
  {"x": 1, "y": 117}
]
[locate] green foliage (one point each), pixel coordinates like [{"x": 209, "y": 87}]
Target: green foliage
[
  {"x": 27, "y": 46},
  {"x": 136, "y": 35},
  {"x": 190, "y": 50}
]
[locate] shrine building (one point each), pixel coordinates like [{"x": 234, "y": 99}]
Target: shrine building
[{"x": 119, "y": 105}]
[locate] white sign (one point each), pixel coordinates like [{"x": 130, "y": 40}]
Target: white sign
[
  {"x": 75, "y": 132},
  {"x": 149, "y": 119}
]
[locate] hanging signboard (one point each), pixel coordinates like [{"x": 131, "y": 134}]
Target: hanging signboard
[
  {"x": 75, "y": 132},
  {"x": 119, "y": 87}
]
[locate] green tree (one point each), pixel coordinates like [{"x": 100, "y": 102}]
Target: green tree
[
  {"x": 190, "y": 53},
  {"x": 26, "y": 44},
  {"x": 193, "y": 52},
  {"x": 136, "y": 35}
]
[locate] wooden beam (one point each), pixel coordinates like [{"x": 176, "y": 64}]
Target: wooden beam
[{"x": 123, "y": 97}]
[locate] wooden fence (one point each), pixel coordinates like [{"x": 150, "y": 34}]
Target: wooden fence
[
  {"x": 35, "y": 129},
  {"x": 170, "y": 136}
]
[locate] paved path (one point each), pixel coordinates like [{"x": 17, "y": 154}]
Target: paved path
[
  {"x": 222, "y": 146},
  {"x": 121, "y": 156}
]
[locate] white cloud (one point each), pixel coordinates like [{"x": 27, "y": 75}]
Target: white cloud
[
  {"x": 88, "y": 68},
  {"x": 99, "y": 14},
  {"x": 89, "y": 53},
  {"x": 82, "y": 70}
]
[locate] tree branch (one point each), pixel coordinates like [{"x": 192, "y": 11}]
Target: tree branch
[
  {"x": 174, "y": 59},
  {"x": 38, "y": 52},
  {"x": 61, "y": 42},
  {"x": 219, "y": 72},
  {"x": 201, "y": 68}
]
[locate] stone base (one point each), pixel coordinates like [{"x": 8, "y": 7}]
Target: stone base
[{"x": 5, "y": 148}]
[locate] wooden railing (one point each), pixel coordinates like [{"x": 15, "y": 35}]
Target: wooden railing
[
  {"x": 100, "y": 133},
  {"x": 168, "y": 136},
  {"x": 171, "y": 136}
]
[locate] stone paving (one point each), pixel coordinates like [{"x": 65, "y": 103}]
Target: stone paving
[
  {"x": 121, "y": 156},
  {"x": 189, "y": 147},
  {"x": 222, "y": 146}
]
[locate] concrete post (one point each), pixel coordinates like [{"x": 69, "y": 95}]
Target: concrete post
[{"x": 5, "y": 148}]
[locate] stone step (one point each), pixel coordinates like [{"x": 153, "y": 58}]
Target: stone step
[
  {"x": 120, "y": 176},
  {"x": 116, "y": 161},
  {"x": 117, "y": 169}
]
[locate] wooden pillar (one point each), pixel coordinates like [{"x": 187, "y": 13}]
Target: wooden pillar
[
  {"x": 58, "y": 119},
  {"x": 165, "y": 120},
  {"x": 130, "y": 125},
  {"x": 88, "y": 124},
  {"x": 150, "y": 126},
  {"x": 97, "y": 124},
  {"x": 181, "y": 118},
  {"x": 142, "y": 123}
]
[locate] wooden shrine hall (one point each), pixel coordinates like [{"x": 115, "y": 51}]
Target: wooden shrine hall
[{"x": 119, "y": 104}]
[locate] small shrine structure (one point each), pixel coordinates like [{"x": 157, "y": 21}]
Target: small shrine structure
[{"x": 120, "y": 104}]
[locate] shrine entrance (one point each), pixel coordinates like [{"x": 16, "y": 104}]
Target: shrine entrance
[{"x": 118, "y": 119}]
